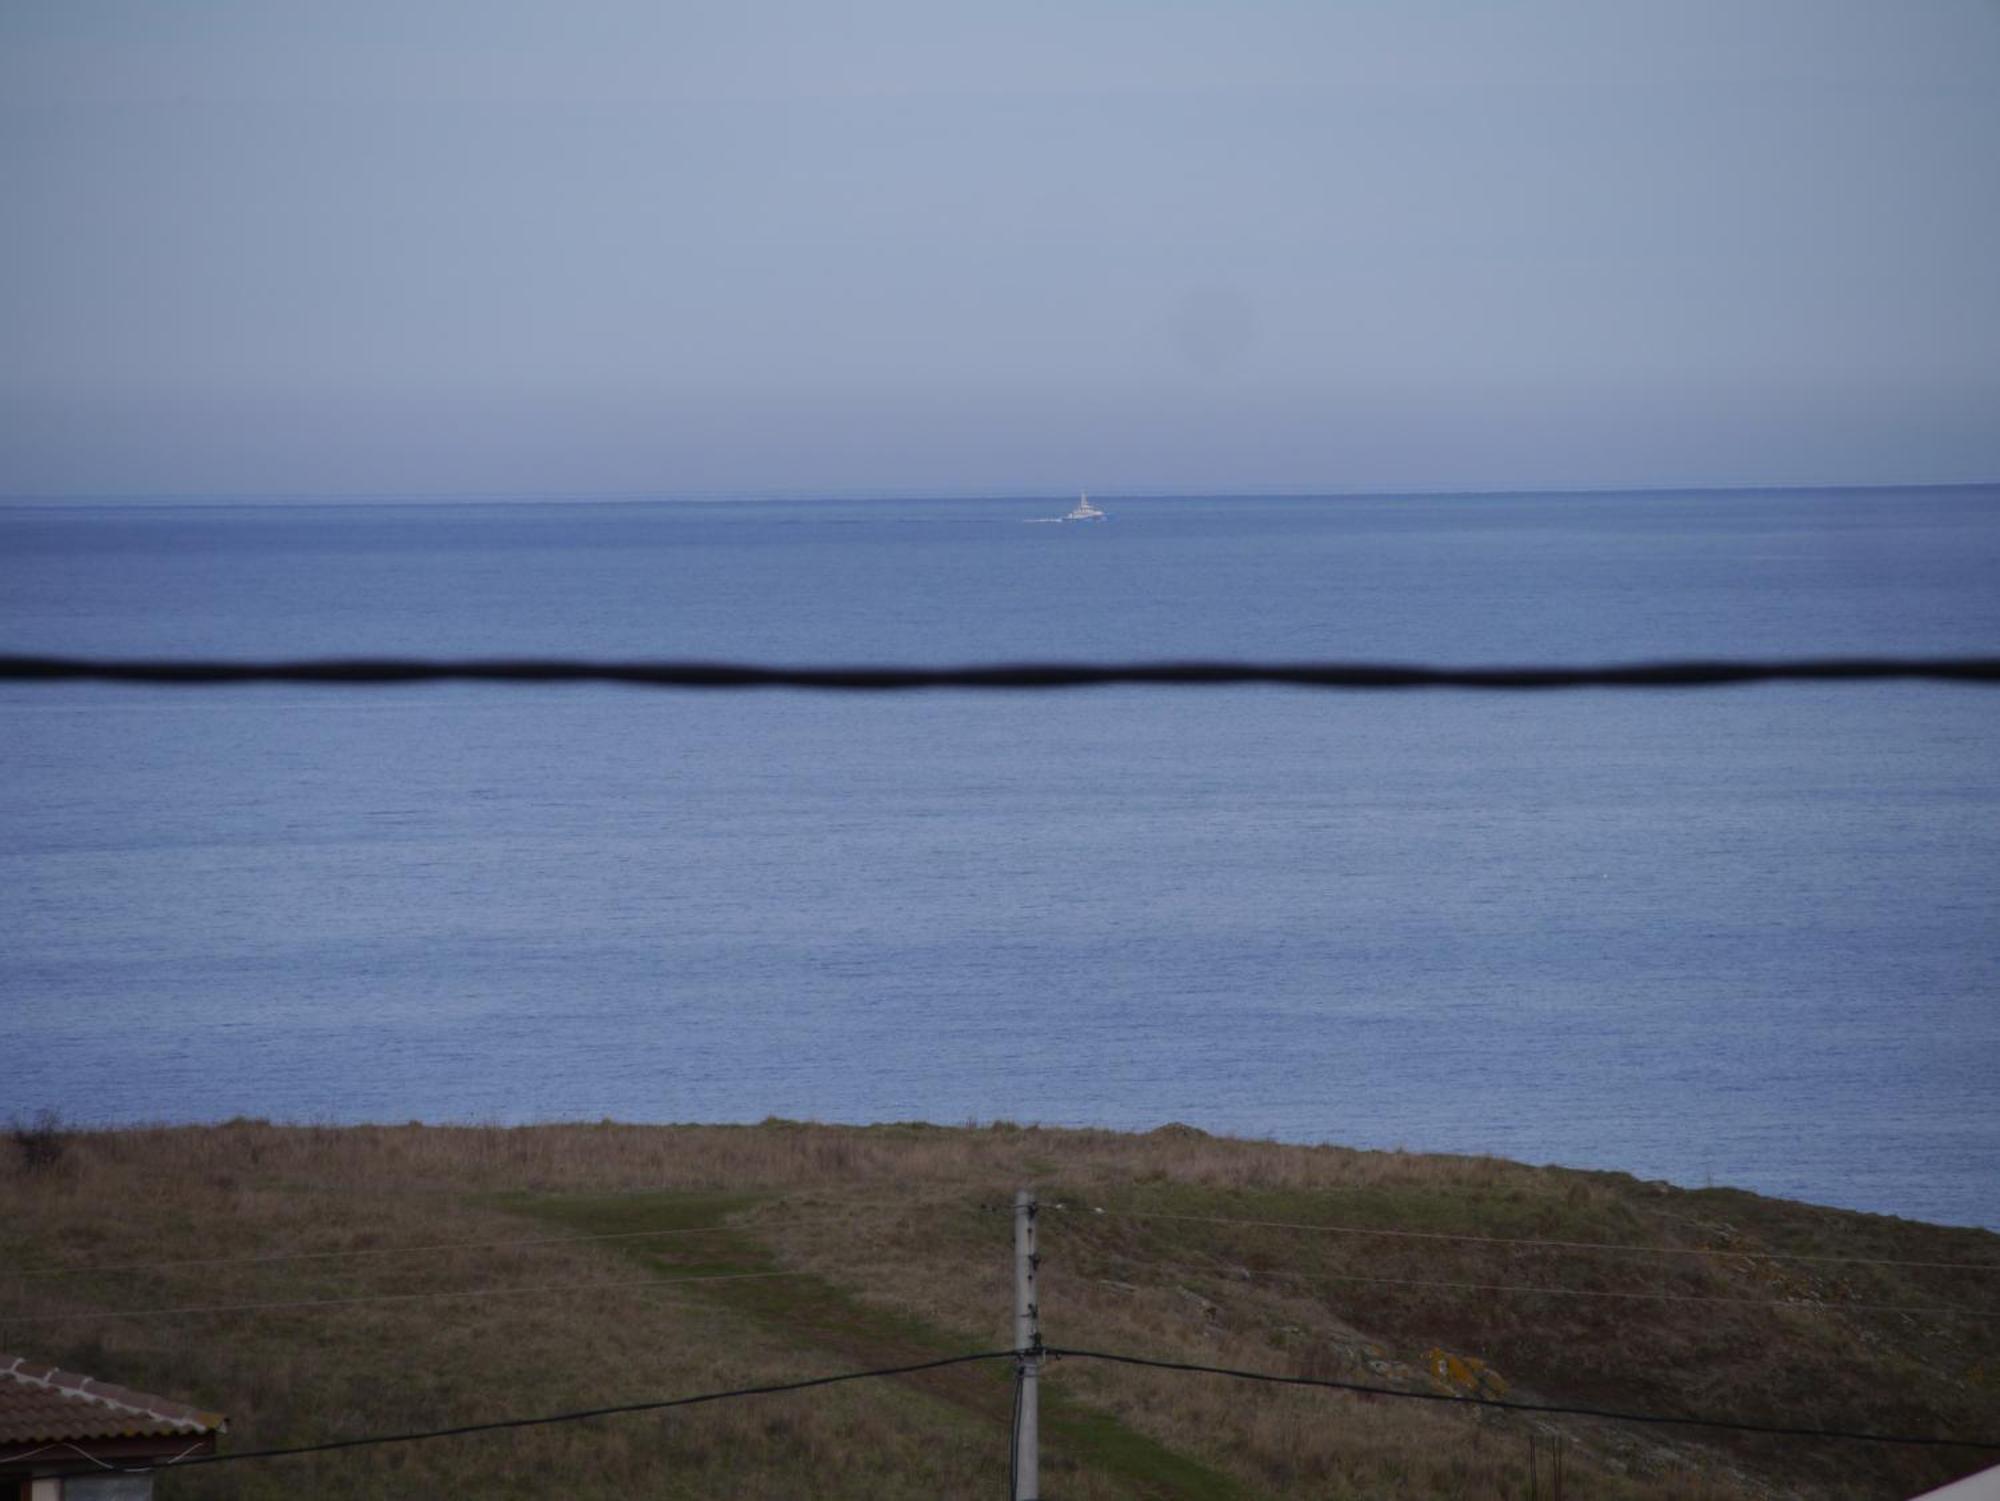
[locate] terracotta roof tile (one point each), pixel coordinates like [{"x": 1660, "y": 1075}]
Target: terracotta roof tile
[{"x": 39, "y": 1403}]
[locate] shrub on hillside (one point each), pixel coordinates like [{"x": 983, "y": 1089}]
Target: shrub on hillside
[{"x": 42, "y": 1142}]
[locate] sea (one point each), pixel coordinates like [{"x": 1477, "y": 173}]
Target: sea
[{"x": 1740, "y": 936}]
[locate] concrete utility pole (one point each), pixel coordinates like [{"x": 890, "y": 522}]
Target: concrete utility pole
[{"x": 1028, "y": 1344}]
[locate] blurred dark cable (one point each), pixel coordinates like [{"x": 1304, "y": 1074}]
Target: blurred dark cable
[
  {"x": 1732, "y": 1424},
  {"x": 371, "y": 671},
  {"x": 773, "y": 1389}
]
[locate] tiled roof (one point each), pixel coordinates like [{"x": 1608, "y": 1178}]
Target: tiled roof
[{"x": 39, "y": 1403}]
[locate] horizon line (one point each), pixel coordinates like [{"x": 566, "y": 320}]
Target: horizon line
[{"x": 857, "y": 494}]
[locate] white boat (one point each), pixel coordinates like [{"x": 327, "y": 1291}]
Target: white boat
[{"x": 1084, "y": 511}]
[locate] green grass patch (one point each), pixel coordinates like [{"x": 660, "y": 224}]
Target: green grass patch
[{"x": 813, "y": 1313}]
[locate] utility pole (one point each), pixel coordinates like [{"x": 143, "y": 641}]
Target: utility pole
[{"x": 1028, "y": 1348}]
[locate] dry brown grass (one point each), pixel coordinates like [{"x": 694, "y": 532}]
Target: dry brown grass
[{"x": 905, "y": 1233}]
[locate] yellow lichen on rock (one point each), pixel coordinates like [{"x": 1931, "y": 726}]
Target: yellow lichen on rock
[{"x": 1465, "y": 1374}]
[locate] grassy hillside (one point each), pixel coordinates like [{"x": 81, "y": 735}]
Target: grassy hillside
[{"x": 894, "y": 1243}]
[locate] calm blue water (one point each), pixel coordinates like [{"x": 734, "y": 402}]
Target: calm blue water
[{"x": 1743, "y": 937}]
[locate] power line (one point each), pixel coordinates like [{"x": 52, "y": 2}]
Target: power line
[
  {"x": 364, "y": 671},
  {"x": 1782, "y": 1430},
  {"x": 1566, "y": 1245},
  {"x": 461, "y": 1245},
  {"x": 1541, "y": 1290},
  {"x": 470, "y": 1292},
  {"x": 661, "y": 1405},
  {"x": 1066, "y": 1352}
]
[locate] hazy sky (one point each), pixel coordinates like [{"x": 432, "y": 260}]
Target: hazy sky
[{"x": 918, "y": 246}]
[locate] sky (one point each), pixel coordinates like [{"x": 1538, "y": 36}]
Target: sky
[{"x": 423, "y": 247}]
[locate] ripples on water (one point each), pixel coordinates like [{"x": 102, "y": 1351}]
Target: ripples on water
[{"x": 1743, "y": 936}]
